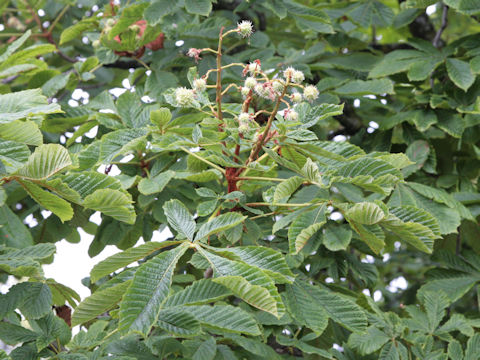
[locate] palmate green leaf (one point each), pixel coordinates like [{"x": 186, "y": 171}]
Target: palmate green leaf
[
  {"x": 12, "y": 155},
  {"x": 51, "y": 328},
  {"x": 393, "y": 351},
  {"x": 155, "y": 184},
  {"x": 178, "y": 323},
  {"x": 200, "y": 7},
  {"x": 309, "y": 116},
  {"x": 98, "y": 303},
  {"x": 46, "y": 161},
  {"x": 304, "y": 227},
  {"x": 303, "y": 346},
  {"x": 24, "y": 132},
  {"x": 372, "y": 12},
  {"x": 395, "y": 62},
  {"x": 441, "y": 196},
  {"x": 368, "y": 343},
  {"x": 144, "y": 298},
  {"x": 455, "y": 286},
  {"x": 15, "y": 45},
  {"x": 179, "y": 218},
  {"x": 336, "y": 238},
  {"x": 254, "y": 295},
  {"x": 365, "y": 213},
  {"x": 224, "y": 318},
  {"x": 126, "y": 257},
  {"x": 460, "y": 73},
  {"x": 121, "y": 142},
  {"x": 207, "y": 350},
  {"x": 25, "y": 261},
  {"x": 311, "y": 172},
  {"x": 13, "y": 233},
  {"x": 225, "y": 267},
  {"x": 12, "y": 334},
  {"x": 27, "y": 54},
  {"x": 455, "y": 351},
  {"x": 473, "y": 347},
  {"x": 200, "y": 292},
  {"x": 220, "y": 223},
  {"x": 55, "y": 84},
  {"x": 435, "y": 304},
  {"x": 254, "y": 346},
  {"x": 21, "y": 104},
  {"x": 413, "y": 225},
  {"x": 113, "y": 203},
  {"x": 35, "y": 252},
  {"x": 300, "y": 306},
  {"x": 62, "y": 294},
  {"x": 369, "y": 173},
  {"x": 447, "y": 218},
  {"x": 270, "y": 261},
  {"x": 33, "y": 299},
  {"x": 339, "y": 308},
  {"x": 372, "y": 235},
  {"x": 87, "y": 182},
  {"x": 49, "y": 201},
  {"x": 457, "y": 322},
  {"x": 286, "y": 188},
  {"x": 361, "y": 87},
  {"x": 73, "y": 32},
  {"x": 469, "y": 7}
]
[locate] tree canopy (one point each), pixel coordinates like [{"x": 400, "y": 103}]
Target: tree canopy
[{"x": 316, "y": 163}]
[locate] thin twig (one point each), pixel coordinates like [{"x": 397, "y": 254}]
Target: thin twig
[
  {"x": 438, "y": 35},
  {"x": 57, "y": 19},
  {"x": 204, "y": 160},
  {"x": 219, "y": 77}
]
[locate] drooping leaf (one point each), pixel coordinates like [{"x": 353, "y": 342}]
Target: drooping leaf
[
  {"x": 46, "y": 161},
  {"x": 219, "y": 223},
  {"x": 51, "y": 202},
  {"x": 145, "y": 296},
  {"x": 98, "y": 303},
  {"x": 268, "y": 260},
  {"x": 200, "y": 292},
  {"x": 365, "y": 213},
  {"x": 113, "y": 203},
  {"x": 254, "y": 295},
  {"x": 304, "y": 227},
  {"x": 126, "y": 257},
  {"x": 200, "y": 7},
  {"x": 225, "y": 267},
  {"x": 21, "y": 104},
  {"x": 460, "y": 73},
  {"x": 340, "y": 309},
  {"x": 156, "y": 184},
  {"x": 286, "y": 188},
  {"x": 225, "y": 318},
  {"x": 179, "y": 218},
  {"x": 178, "y": 323}
]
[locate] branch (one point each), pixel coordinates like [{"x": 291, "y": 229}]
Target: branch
[{"x": 438, "y": 35}]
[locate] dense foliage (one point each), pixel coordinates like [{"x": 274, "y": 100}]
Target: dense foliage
[{"x": 301, "y": 169}]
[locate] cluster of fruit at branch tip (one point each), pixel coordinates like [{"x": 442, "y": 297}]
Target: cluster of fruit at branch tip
[{"x": 284, "y": 88}]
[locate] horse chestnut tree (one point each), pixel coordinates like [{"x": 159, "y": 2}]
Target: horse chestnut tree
[{"x": 283, "y": 179}]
